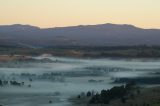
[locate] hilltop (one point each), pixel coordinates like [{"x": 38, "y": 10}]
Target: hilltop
[{"x": 82, "y": 35}]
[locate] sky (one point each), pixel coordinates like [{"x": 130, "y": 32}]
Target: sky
[{"x": 59, "y": 13}]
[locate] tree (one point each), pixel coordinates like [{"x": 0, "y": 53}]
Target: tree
[
  {"x": 78, "y": 96},
  {"x": 123, "y": 100},
  {"x": 1, "y": 83},
  {"x": 130, "y": 85},
  {"x": 95, "y": 100},
  {"x": 50, "y": 101},
  {"x": 116, "y": 92},
  {"x": 89, "y": 94},
  {"x": 138, "y": 91},
  {"x": 132, "y": 96}
]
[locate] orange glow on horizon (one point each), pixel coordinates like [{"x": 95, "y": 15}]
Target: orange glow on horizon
[{"x": 58, "y": 13}]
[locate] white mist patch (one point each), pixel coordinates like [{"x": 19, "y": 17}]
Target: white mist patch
[
  {"x": 80, "y": 75},
  {"x": 128, "y": 74}
]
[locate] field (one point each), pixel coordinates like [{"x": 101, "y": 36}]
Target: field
[{"x": 86, "y": 52}]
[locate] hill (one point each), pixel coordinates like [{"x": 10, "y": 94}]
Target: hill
[
  {"x": 89, "y": 35},
  {"x": 141, "y": 97}
]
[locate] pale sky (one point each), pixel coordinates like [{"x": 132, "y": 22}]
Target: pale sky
[{"x": 58, "y": 13}]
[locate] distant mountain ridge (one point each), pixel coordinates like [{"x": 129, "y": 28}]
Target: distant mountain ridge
[{"x": 82, "y": 35}]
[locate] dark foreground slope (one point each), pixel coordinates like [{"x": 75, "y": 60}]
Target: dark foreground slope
[{"x": 141, "y": 97}]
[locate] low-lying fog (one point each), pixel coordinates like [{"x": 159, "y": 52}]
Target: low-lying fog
[{"x": 63, "y": 78}]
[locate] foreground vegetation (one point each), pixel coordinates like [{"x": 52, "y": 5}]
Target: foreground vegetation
[
  {"x": 116, "y": 92},
  {"x": 128, "y": 95}
]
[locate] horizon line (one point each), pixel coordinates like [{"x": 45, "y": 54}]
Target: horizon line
[{"x": 75, "y": 25}]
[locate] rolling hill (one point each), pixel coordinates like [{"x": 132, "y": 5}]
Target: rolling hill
[{"x": 88, "y": 35}]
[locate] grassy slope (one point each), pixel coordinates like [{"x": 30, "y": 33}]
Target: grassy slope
[{"x": 149, "y": 96}]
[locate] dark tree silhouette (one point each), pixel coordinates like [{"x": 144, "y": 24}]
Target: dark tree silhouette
[
  {"x": 89, "y": 94},
  {"x": 116, "y": 92},
  {"x": 1, "y": 83}
]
